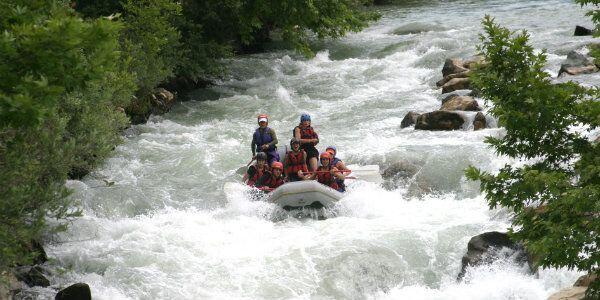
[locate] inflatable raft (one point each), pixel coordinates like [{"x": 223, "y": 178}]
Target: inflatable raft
[{"x": 302, "y": 194}]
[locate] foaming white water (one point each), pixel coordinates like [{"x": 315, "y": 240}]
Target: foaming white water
[{"x": 176, "y": 224}]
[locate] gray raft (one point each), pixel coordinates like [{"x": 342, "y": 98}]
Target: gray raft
[{"x": 308, "y": 193}]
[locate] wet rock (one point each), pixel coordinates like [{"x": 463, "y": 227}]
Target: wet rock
[
  {"x": 448, "y": 96},
  {"x": 484, "y": 249},
  {"x": 456, "y": 84},
  {"x": 572, "y": 293},
  {"x": 586, "y": 280},
  {"x": 577, "y": 63},
  {"x": 78, "y": 291},
  {"x": 410, "y": 119},
  {"x": 439, "y": 120},
  {"x": 464, "y": 103},
  {"x": 473, "y": 61},
  {"x": 163, "y": 99},
  {"x": 582, "y": 31},
  {"x": 32, "y": 276},
  {"x": 464, "y": 74},
  {"x": 453, "y": 66},
  {"x": 480, "y": 122},
  {"x": 37, "y": 250}
]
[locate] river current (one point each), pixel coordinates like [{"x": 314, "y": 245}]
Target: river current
[{"x": 158, "y": 224}]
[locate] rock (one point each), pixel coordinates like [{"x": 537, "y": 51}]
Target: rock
[
  {"x": 484, "y": 248},
  {"x": 480, "y": 122},
  {"x": 78, "y": 291},
  {"x": 464, "y": 74},
  {"x": 439, "y": 120},
  {"x": 164, "y": 100},
  {"x": 577, "y": 70},
  {"x": 9, "y": 285},
  {"x": 453, "y": 66},
  {"x": 572, "y": 293},
  {"x": 471, "y": 62},
  {"x": 447, "y": 96},
  {"x": 464, "y": 103},
  {"x": 39, "y": 255},
  {"x": 456, "y": 84},
  {"x": 586, "y": 280},
  {"x": 410, "y": 119},
  {"x": 582, "y": 31},
  {"x": 32, "y": 276}
]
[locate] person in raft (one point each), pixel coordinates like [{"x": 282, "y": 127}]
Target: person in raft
[
  {"x": 338, "y": 164},
  {"x": 308, "y": 139},
  {"x": 327, "y": 174},
  {"x": 257, "y": 170},
  {"x": 295, "y": 162},
  {"x": 265, "y": 140},
  {"x": 271, "y": 180}
]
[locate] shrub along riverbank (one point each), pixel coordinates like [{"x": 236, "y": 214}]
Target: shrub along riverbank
[{"x": 76, "y": 73}]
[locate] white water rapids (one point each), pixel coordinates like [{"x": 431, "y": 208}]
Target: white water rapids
[{"x": 167, "y": 230}]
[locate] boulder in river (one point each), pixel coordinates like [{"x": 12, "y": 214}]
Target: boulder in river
[
  {"x": 578, "y": 63},
  {"x": 480, "y": 122},
  {"x": 572, "y": 293},
  {"x": 410, "y": 119},
  {"x": 456, "y": 84},
  {"x": 473, "y": 61},
  {"x": 163, "y": 99},
  {"x": 9, "y": 285},
  {"x": 32, "y": 276},
  {"x": 582, "y": 31},
  {"x": 78, "y": 291},
  {"x": 577, "y": 70},
  {"x": 439, "y": 120},
  {"x": 445, "y": 97},
  {"x": 443, "y": 81},
  {"x": 464, "y": 103},
  {"x": 485, "y": 248},
  {"x": 453, "y": 66}
]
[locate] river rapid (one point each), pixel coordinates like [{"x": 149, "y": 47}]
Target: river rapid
[{"x": 167, "y": 229}]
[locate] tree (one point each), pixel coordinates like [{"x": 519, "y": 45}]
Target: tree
[
  {"x": 595, "y": 15},
  {"x": 555, "y": 193}
]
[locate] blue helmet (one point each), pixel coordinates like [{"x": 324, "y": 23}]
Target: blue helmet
[
  {"x": 331, "y": 147},
  {"x": 304, "y": 117}
]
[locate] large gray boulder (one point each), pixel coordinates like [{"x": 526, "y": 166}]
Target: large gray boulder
[
  {"x": 485, "y": 248},
  {"x": 453, "y": 66},
  {"x": 577, "y": 63},
  {"x": 443, "y": 81},
  {"x": 464, "y": 103},
  {"x": 78, "y": 291},
  {"x": 410, "y": 119},
  {"x": 456, "y": 84},
  {"x": 480, "y": 122},
  {"x": 32, "y": 276},
  {"x": 445, "y": 97},
  {"x": 439, "y": 120},
  {"x": 582, "y": 31}
]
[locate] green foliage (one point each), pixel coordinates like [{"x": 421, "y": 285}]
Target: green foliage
[
  {"x": 595, "y": 15},
  {"x": 554, "y": 194},
  {"x": 62, "y": 82}
]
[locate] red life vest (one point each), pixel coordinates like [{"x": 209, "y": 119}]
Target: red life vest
[
  {"x": 257, "y": 174},
  {"x": 295, "y": 161},
  {"x": 273, "y": 182},
  {"x": 307, "y": 133},
  {"x": 326, "y": 178}
]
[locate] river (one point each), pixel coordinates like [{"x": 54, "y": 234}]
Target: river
[{"x": 166, "y": 229}]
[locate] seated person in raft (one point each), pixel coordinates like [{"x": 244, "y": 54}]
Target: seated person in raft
[
  {"x": 340, "y": 165},
  {"x": 295, "y": 162},
  {"x": 308, "y": 139},
  {"x": 327, "y": 174},
  {"x": 257, "y": 170},
  {"x": 264, "y": 140},
  {"x": 271, "y": 180}
]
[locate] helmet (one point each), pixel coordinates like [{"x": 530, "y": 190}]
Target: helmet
[
  {"x": 294, "y": 141},
  {"x": 261, "y": 156},
  {"x": 262, "y": 117},
  {"x": 277, "y": 165},
  {"x": 305, "y": 117},
  {"x": 331, "y": 148},
  {"x": 326, "y": 155}
]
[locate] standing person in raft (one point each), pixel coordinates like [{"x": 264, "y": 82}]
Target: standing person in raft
[
  {"x": 295, "y": 161},
  {"x": 265, "y": 140},
  {"x": 257, "y": 170},
  {"x": 308, "y": 140},
  {"x": 271, "y": 180},
  {"x": 338, "y": 164},
  {"x": 327, "y": 174}
]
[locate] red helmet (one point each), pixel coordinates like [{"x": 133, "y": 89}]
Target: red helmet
[
  {"x": 326, "y": 155},
  {"x": 262, "y": 117},
  {"x": 277, "y": 165}
]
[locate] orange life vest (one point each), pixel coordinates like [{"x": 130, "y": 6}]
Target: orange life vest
[
  {"x": 272, "y": 181},
  {"x": 295, "y": 161},
  {"x": 257, "y": 174},
  {"x": 325, "y": 177},
  {"x": 307, "y": 133}
]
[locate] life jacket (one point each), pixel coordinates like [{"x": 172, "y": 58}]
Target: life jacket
[
  {"x": 272, "y": 181},
  {"x": 306, "y": 133},
  {"x": 326, "y": 178},
  {"x": 257, "y": 175},
  {"x": 295, "y": 161},
  {"x": 261, "y": 138},
  {"x": 340, "y": 182}
]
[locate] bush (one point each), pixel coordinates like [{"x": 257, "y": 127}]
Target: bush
[{"x": 554, "y": 195}]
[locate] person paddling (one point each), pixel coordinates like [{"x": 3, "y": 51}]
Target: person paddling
[
  {"x": 265, "y": 140},
  {"x": 256, "y": 170},
  {"x": 308, "y": 139},
  {"x": 338, "y": 164},
  {"x": 271, "y": 180},
  {"x": 295, "y": 162},
  {"x": 327, "y": 174}
]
